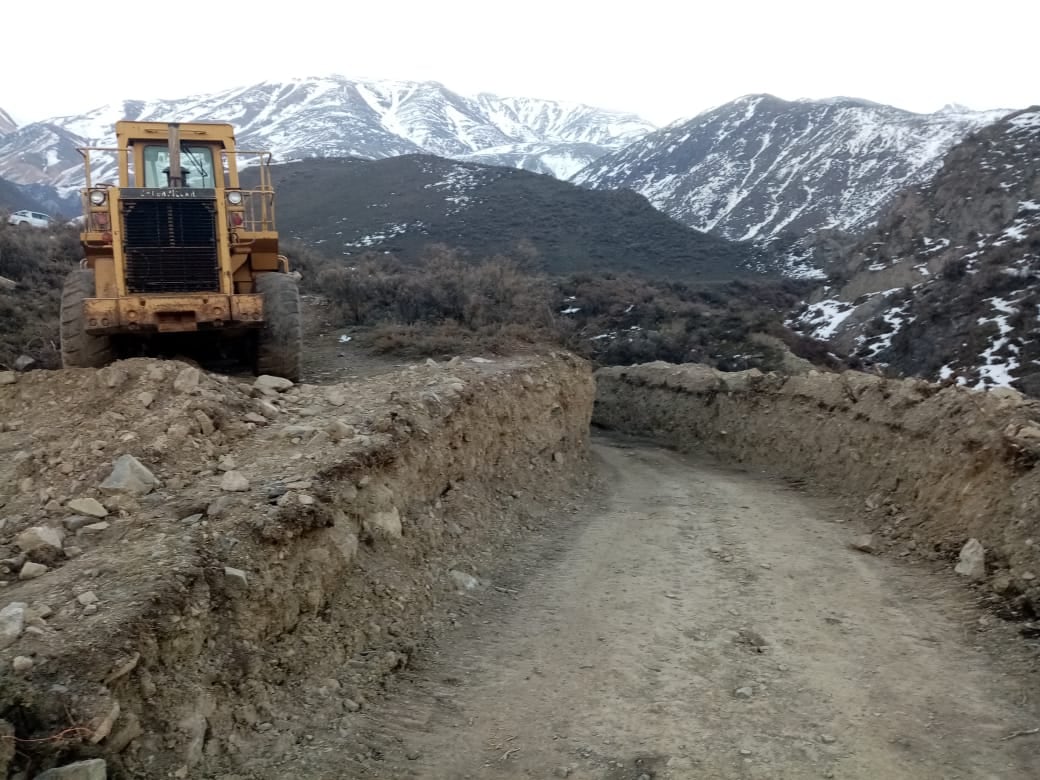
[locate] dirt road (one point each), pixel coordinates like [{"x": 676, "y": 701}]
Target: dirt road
[{"x": 707, "y": 623}]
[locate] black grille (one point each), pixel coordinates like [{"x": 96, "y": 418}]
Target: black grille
[{"x": 170, "y": 246}]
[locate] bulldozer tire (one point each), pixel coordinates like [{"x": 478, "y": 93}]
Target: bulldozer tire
[
  {"x": 80, "y": 349},
  {"x": 281, "y": 339}
]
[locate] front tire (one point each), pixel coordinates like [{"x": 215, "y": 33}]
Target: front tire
[
  {"x": 280, "y": 342},
  {"x": 80, "y": 349}
]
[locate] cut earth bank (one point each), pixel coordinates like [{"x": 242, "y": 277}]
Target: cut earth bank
[{"x": 181, "y": 552}]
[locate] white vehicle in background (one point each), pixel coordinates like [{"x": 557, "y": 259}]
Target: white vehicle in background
[{"x": 27, "y": 218}]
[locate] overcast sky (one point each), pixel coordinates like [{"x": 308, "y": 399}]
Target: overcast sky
[{"x": 664, "y": 59}]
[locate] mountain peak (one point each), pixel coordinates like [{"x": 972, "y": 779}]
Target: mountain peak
[
  {"x": 337, "y": 116},
  {"x": 760, "y": 166}
]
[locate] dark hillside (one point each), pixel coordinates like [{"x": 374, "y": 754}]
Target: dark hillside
[{"x": 404, "y": 204}]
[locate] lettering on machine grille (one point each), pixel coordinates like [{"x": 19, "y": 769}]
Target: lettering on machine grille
[{"x": 167, "y": 193}]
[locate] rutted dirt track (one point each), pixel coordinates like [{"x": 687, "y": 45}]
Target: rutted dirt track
[{"x": 707, "y": 623}]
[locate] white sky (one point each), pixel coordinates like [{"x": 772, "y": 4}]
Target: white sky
[{"x": 664, "y": 59}]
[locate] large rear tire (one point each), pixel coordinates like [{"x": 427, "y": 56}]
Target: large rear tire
[
  {"x": 280, "y": 342},
  {"x": 80, "y": 349}
]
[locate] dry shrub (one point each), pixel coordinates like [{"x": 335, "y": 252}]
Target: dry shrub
[{"x": 37, "y": 261}]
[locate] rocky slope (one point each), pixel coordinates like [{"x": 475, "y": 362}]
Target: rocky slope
[
  {"x": 403, "y": 204},
  {"x": 946, "y": 286},
  {"x": 339, "y": 117},
  {"x": 760, "y": 166}
]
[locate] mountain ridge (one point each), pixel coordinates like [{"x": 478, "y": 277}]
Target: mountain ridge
[
  {"x": 759, "y": 167},
  {"x": 335, "y": 116}
]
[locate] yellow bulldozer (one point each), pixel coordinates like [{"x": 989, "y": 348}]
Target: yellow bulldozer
[{"x": 179, "y": 247}]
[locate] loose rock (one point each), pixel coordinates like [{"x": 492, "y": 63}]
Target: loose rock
[
  {"x": 8, "y": 377},
  {"x": 41, "y": 539},
  {"x": 88, "y": 506},
  {"x": 234, "y": 482},
  {"x": 266, "y": 382},
  {"x": 187, "y": 380},
  {"x": 88, "y": 598},
  {"x": 129, "y": 477},
  {"x": 22, "y": 663},
  {"x": 972, "y": 560},
  {"x": 745, "y": 692},
  {"x": 205, "y": 423},
  {"x": 24, "y": 363},
  {"x": 30, "y": 571},
  {"x": 865, "y": 543},
  {"x": 267, "y": 409},
  {"x": 463, "y": 580},
  {"x": 236, "y": 577},
  {"x": 12, "y": 622}
]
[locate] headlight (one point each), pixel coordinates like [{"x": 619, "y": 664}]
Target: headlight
[
  {"x": 234, "y": 197},
  {"x": 98, "y": 197}
]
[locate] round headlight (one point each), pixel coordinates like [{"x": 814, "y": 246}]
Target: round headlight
[
  {"x": 234, "y": 197},
  {"x": 98, "y": 197}
]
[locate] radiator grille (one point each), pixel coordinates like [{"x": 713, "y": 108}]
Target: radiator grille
[{"x": 170, "y": 246}]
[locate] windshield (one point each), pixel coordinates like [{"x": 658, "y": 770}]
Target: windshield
[{"x": 196, "y": 162}]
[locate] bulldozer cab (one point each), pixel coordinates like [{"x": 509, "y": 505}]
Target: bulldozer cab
[{"x": 173, "y": 243}]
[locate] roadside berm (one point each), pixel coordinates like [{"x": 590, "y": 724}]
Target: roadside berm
[
  {"x": 183, "y": 553},
  {"x": 935, "y": 471}
]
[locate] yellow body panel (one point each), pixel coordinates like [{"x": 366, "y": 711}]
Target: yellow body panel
[{"x": 169, "y": 313}]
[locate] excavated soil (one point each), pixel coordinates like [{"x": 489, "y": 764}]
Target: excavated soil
[{"x": 295, "y": 550}]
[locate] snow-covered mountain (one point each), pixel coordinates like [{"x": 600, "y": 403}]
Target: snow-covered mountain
[
  {"x": 760, "y": 166},
  {"x": 947, "y": 285},
  {"x": 337, "y": 117},
  {"x": 7, "y": 124}
]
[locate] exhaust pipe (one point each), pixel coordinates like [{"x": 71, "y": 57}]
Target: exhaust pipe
[{"x": 175, "y": 177}]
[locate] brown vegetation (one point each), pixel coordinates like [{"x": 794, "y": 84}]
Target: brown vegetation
[
  {"x": 36, "y": 261},
  {"x": 446, "y": 304}
]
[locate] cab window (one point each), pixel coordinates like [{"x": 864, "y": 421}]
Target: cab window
[{"x": 196, "y": 162}]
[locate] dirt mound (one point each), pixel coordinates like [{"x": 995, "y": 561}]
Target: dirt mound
[
  {"x": 931, "y": 467},
  {"x": 183, "y": 551}
]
